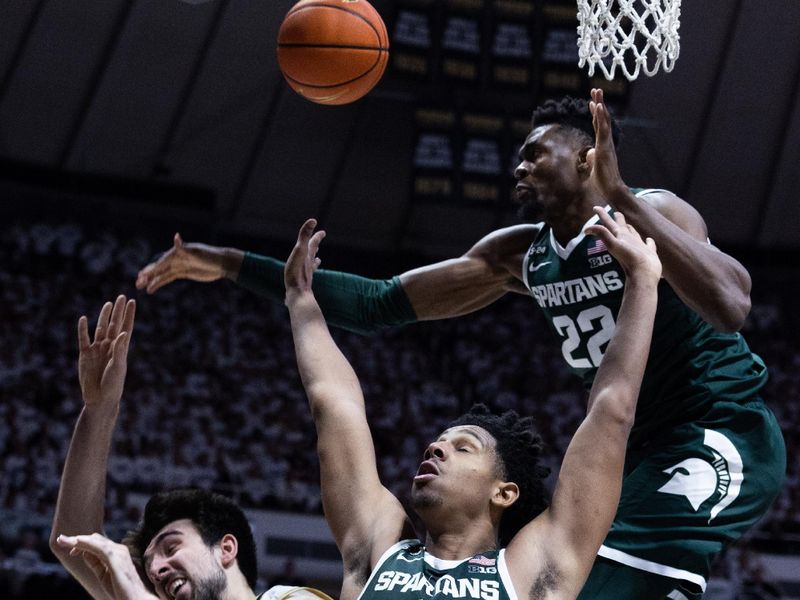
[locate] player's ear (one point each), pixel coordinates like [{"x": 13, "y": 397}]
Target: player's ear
[
  {"x": 505, "y": 494},
  {"x": 229, "y": 547},
  {"x": 586, "y": 160}
]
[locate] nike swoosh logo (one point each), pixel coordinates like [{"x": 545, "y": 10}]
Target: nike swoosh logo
[{"x": 534, "y": 268}]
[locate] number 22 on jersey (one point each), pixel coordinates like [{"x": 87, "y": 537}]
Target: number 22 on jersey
[{"x": 595, "y": 325}]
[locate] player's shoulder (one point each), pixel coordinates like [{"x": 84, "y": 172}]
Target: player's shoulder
[
  {"x": 524, "y": 233},
  {"x": 664, "y": 201},
  {"x": 674, "y": 208},
  {"x": 506, "y": 243},
  {"x": 656, "y": 196}
]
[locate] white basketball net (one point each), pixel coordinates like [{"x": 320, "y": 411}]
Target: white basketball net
[{"x": 647, "y": 30}]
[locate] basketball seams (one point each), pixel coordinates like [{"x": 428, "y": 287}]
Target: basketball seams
[
  {"x": 347, "y": 10},
  {"x": 346, "y": 92},
  {"x": 338, "y": 84},
  {"x": 331, "y": 46},
  {"x": 330, "y": 57},
  {"x": 347, "y": 95},
  {"x": 330, "y": 87}
]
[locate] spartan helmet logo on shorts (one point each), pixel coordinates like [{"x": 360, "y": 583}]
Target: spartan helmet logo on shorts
[{"x": 698, "y": 480}]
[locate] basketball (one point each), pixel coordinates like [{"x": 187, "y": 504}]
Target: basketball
[{"x": 332, "y": 51}]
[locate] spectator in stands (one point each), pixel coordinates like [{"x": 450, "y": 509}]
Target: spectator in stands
[{"x": 240, "y": 344}]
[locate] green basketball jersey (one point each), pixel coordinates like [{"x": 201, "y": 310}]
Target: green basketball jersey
[
  {"x": 579, "y": 287},
  {"x": 407, "y": 572}
]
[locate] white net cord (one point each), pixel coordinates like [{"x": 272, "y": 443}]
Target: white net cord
[{"x": 645, "y": 30}]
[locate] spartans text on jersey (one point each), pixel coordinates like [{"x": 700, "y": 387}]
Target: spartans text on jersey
[
  {"x": 447, "y": 585},
  {"x": 573, "y": 291}
]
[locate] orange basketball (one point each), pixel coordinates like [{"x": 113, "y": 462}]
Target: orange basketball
[{"x": 332, "y": 51}]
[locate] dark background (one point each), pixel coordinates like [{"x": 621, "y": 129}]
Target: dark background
[
  {"x": 123, "y": 121},
  {"x": 181, "y": 107}
]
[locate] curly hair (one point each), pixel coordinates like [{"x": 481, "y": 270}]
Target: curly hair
[
  {"x": 574, "y": 113},
  {"x": 212, "y": 514},
  {"x": 519, "y": 451}
]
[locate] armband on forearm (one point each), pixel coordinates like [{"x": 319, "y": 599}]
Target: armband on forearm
[{"x": 348, "y": 301}]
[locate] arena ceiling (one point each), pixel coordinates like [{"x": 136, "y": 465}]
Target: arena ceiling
[{"x": 184, "y": 99}]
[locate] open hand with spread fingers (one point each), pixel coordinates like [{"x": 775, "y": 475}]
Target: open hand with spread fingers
[
  {"x": 196, "y": 262},
  {"x": 103, "y": 361}
]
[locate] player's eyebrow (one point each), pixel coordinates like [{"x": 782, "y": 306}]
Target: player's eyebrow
[
  {"x": 527, "y": 148},
  {"x": 148, "y": 556},
  {"x": 470, "y": 433},
  {"x": 474, "y": 434}
]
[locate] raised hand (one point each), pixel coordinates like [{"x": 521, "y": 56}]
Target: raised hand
[
  {"x": 605, "y": 167},
  {"x": 102, "y": 363},
  {"x": 303, "y": 261},
  {"x": 638, "y": 257},
  {"x": 111, "y": 564},
  {"x": 198, "y": 262}
]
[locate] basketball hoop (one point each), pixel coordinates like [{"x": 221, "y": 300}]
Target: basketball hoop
[{"x": 633, "y": 35}]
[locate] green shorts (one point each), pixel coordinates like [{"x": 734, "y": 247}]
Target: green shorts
[{"x": 685, "y": 497}]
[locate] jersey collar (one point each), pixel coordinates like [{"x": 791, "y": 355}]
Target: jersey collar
[{"x": 565, "y": 251}]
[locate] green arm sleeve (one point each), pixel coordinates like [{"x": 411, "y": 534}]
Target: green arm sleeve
[{"x": 348, "y": 301}]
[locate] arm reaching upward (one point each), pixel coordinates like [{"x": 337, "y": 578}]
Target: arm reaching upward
[
  {"x": 364, "y": 517},
  {"x": 568, "y": 534},
  {"x": 712, "y": 283},
  {"x": 102, "y": 366}
]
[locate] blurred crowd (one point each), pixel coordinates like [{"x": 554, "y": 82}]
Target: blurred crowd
[{"x": 213, "y": 398}]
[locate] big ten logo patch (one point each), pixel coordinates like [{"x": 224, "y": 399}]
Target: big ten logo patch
[
  {"x": 599, "y": 261},
  {"x": 481, "y": 570}
]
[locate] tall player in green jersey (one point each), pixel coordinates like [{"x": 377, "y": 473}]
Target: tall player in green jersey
[
  {"x": 706, "y": 456},
  {"x": 479, "y": 485}
]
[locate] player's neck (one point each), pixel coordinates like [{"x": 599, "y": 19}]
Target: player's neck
[
  {"x": 569, "y": 222},
  {"x": 238, "y": 589},
  {"x": 461, "y": 543}
]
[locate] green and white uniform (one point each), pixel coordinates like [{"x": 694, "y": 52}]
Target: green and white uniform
[
  {"x": 407, "y": 572},
  {"x": 706, "y": 456}
]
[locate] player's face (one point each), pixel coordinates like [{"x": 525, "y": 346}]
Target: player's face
[
  {"x": 458, "y": 470},
  {"x": 547, "y": 175},
  {"x": 181, "y": 566}
]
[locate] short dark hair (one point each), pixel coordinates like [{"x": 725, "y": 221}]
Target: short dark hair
[
  {"x": 574, "y": 113},
  {"x": 519, "y": 450},
  {"x": 214, "y": 516}
]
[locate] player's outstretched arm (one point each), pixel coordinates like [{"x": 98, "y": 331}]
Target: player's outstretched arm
[
  {"x": 710, "y": 282},
  {"x": 567, "y": 536},
  {"x": 486, "y": 272},
  {"x": 449, "y": 288},
  {"x": 364, "y": 517},
  {"x": 109, "y": 563},
  {"x": 102, "y": 365}
]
